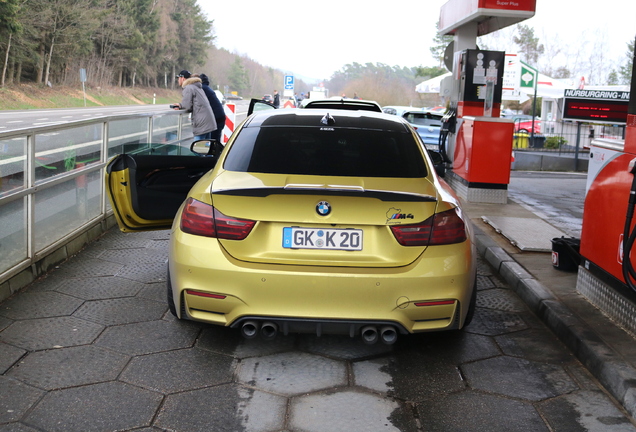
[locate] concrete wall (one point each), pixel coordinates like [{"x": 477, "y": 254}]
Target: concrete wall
[{"x": 528, "y": 161}]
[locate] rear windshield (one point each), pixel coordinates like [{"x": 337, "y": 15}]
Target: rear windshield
[
  {"x": 423, "y": 119},
  {"x": 326, "y": 151}
]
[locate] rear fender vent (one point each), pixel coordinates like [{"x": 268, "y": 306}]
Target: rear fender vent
[
  {"x": 184, "y": 315},
  {"x": 455, "y": 324}
]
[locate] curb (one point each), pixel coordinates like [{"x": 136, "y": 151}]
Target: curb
[{"x": 617, "y": 376}]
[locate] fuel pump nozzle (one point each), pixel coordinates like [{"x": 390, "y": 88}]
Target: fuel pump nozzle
[
  {"x": 628, "y": 238},
  {"x": 632, "y": 192}
]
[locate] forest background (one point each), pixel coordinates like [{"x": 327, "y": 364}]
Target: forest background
[{"x": 132, "y": 49}]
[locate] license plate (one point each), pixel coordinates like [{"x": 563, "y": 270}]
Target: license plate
[{"x": 322, "y": 238}]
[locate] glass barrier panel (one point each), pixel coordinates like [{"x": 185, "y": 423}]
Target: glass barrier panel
[
  {"x": 165, "y": 129},
  {"x": 186, "y": 126},
  {"x": 12, "y": 164},
  {"x": 127, "y": 136},
  {"x": 13, "y": 235},
  {"x": 65, "y": 150},
  {"x": 66, "y": 207}
]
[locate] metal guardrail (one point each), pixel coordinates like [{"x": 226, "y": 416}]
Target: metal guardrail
[{"x": 52, "y": 179}]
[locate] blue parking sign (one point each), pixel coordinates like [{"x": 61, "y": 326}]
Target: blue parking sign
[{"x": 289, "y": 82}]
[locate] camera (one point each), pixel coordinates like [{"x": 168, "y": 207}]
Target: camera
[{"x": 174, "y": 106}]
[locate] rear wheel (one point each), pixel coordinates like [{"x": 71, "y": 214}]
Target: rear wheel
[
  {"x": 471, "y": 306},
  {"x": 170, "y": 298}
]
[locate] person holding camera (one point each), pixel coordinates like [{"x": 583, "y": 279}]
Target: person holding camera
[{"x": 195, "y": 101}]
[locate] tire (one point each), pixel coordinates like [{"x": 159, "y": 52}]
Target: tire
[
  {"x": 471, "y": 306},
  {"x": 170, "y": 298}
]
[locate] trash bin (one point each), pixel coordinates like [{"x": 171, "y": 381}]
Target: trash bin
[
  {"x": 520, "y": 140},
  {"x": 565, "y": 253},
  {"x": 537, "y": 141}
]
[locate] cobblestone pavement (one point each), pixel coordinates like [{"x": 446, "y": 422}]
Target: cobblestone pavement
[{"x": 92, "y": 347}]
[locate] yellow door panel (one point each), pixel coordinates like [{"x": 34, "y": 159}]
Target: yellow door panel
[{"x": 147, "y": 190}]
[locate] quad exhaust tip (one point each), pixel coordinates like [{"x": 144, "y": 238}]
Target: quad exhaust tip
[
  {"x": 269, "y": 330},
  {"x": 388, "y": 335},
  {"x": 249, "y": 329},
  {"x": 370, "y": 333}
]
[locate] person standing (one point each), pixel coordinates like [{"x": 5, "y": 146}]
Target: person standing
[
  {"x": 276, "y": 102},
  {"x": 217, "y": 108},
  {"x": 194, "y": 100}
]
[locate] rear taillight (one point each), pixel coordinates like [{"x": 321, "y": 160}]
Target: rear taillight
[
  {"x": 440, "y": 229},
  {"x": 197, "y": 218},
  {"x": 231, "y": 228},
  {"x": 204, "y": 220}
]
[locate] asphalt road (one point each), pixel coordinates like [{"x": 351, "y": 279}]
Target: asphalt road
[
  {"x": 557, "y": 197},
  {"x": 10, "y": 120}
]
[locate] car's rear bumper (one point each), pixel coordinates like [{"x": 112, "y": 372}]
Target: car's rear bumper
[{"x": 304, "y": 296}]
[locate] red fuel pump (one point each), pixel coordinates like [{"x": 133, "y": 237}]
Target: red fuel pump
[
  {"x": 482, "y": 150},
  {"x": 607, "y": 277}
]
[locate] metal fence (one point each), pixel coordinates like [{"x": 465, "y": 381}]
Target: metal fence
[
  {"x": 52, "y": 179},
  {"x": 565, "y": 137}
]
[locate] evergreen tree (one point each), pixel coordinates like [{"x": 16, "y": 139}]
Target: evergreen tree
[
  {"x": 238, "y": 77},
  {"x": 438, "y": 49},
  {"x": 528, "y": 44},
  {"x": 9, "y": 25},
  {"x": 625, "y": 71},
  {"x": 429, "y": 71}
]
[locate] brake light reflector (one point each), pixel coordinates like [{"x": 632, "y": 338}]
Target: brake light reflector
[
  {"x": 204, "y": 220},
  {"x": 204, "y": 294},
  {"x": 435, "y": 303},
  {"x": 440, "y": 229}
]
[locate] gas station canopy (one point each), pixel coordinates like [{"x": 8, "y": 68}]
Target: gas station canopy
[
  {"x": 489, "y": 15},
  {"x": 432, "y": 85}
]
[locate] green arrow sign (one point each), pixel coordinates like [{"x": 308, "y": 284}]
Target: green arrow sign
[{"x": 528, "y": 76}]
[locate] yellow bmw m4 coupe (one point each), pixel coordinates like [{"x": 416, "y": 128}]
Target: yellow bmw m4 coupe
[{"x": 308, "y": 221}]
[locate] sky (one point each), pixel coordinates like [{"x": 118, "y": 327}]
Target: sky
[{"x": 315, "y": 39}]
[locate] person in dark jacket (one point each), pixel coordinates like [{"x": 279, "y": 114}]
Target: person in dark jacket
[
  {"x": 276, "y": 99},
  {"x": 217, "y": 108},
  {"x": 194, "y": 101}
]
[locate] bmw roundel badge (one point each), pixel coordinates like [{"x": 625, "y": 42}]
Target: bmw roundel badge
[{"x": 323, "y": 208}]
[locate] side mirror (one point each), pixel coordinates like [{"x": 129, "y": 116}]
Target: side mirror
[{"x": 206, "y": 148}]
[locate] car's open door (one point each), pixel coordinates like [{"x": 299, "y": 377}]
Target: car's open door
[
  {"x": 257, "y": 105},
  {"x": 146, "y": 191}
]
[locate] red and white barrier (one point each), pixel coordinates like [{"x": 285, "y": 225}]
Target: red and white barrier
[{"x": 230, "y": 121}]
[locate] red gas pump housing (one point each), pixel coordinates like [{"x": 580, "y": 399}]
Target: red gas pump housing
[
  {"x": 605, "y": 210},
  {"x": 605, "y": 249},
  {"x": 483, "y": 152}
]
